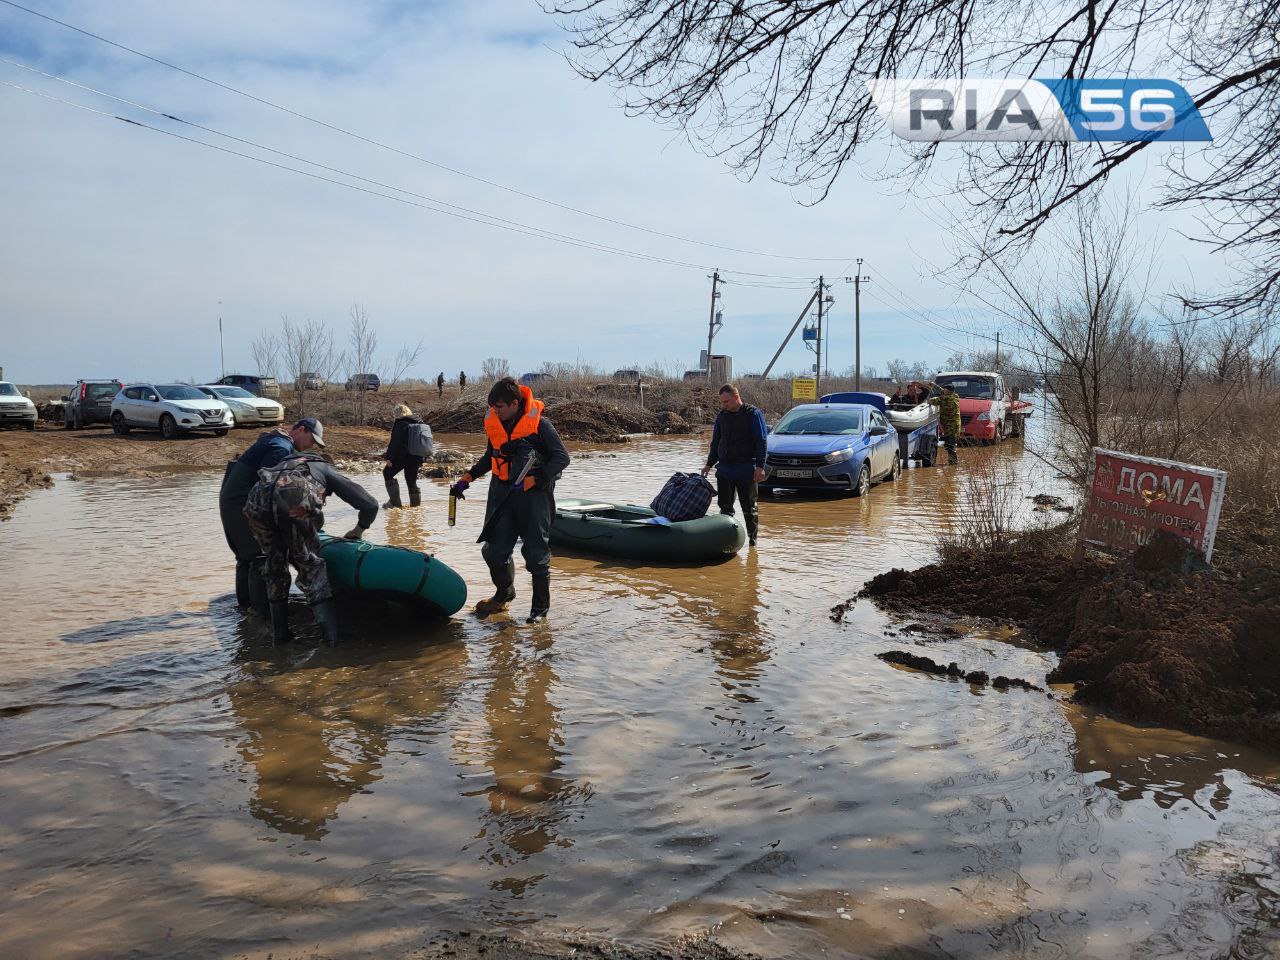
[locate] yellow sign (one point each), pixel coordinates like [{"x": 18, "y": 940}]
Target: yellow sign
[{"x": 803, "y": 388}]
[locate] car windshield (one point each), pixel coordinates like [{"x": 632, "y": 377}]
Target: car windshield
[
  {"x": 233, "y": 392},
  {"x": 180, "y": 391},
  {"x": 9, "y": 390},
  {"x": 798, "y": 422},
  {"x": 978, "y": 388}
]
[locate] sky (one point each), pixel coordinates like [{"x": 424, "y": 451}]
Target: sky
[{"x": 123, "y": 247}]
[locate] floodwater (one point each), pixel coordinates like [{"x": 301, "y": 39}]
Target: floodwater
[{"x": 680, "y": 751}]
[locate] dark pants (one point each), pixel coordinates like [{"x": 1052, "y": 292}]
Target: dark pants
[
  {"x": 524, "y": 516},
  {"x": 741, "y": 482},
  {"x": 293, "y": 543},
  {"x": 410, "y": 466},
  {"x": 949, "y": 441},
  {"x": 249, "y": 585}
]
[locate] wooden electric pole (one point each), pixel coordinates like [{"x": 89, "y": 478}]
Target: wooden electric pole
[
  {"x": 997, "y": 351},
  {"x": 711, "y": 320},
  {"x": 858, "y": 280},
  {"x": 817, "y": 367}
]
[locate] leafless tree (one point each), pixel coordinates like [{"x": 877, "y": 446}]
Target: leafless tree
[
  {"x": 362, "y": 344},
  {"x": 305, "y": 348},
  {"x": 782, "y": 85},
  {"x": 265, "y": 351},
  {"x": 406, "y": 357},
  {"x": 494, "y": 368}
]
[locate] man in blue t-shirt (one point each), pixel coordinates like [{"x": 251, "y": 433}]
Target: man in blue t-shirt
[{"x": 739, "y": 442}]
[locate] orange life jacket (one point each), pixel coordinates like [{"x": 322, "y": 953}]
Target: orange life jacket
[{"x": 498, "y": 435}]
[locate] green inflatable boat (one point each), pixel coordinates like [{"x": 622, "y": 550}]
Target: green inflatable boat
[
  {"x": 396, "y": 573},
  {"x": 637, "y": 533}
]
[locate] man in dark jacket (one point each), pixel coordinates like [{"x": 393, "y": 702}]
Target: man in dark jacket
[
  {"x": 399, "y": 458},
  {"x": 526, "y": 456},
  {"x": 440, "y": 384},
  {"x": 241, "y": 475},
  {"x": 739, "y": 441},
  {"x": 285, "y": 513}
]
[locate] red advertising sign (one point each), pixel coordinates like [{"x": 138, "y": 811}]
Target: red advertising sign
[{"x": 1131, "y": 497}]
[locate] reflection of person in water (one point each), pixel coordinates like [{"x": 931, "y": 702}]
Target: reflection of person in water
[
  {"x": 740, "y": 650},
  {"x": 316, "y": 736},
  {"x": 528, "y": 801}
]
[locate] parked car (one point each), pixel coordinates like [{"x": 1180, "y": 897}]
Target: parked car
[
  {"x": 364, "y": 381},
  {"x": 89, "y": 402},
  {"x": 246, "y": 409},
  {"x": 842, "y": 447},
  {"x": 171, "y": 408},
  {"x": 988, "y": 409},
  {"x": 255, "y": 383},
  {"x": 16, "y": 409},
  {"x": 310, "y": 381},
  {"x": 531, "y": 379}
]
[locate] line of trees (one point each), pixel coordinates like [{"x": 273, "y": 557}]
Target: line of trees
[{"x": 302, "y": 350}]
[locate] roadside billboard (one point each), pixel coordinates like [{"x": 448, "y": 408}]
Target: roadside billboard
[
  {"x": 804, "y": 388},
  {"x": 1130, "y": 497}
]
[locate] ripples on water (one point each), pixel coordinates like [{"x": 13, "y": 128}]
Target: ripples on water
[{"x": 680, "y": 750}]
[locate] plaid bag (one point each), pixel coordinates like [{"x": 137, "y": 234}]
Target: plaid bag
[{"x": 686, "y": 496}]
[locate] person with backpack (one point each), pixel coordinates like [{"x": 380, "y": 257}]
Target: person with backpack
[
  {"x": 739, "y": 443},
  {"x": 526, "y": 456},
  {"x": 285, "y": 511},
  {"x": 411, "y": 442},
  {"x": 242, "y": 473}
]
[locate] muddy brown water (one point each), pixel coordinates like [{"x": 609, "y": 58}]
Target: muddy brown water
[{"x": 680, "y": 751}]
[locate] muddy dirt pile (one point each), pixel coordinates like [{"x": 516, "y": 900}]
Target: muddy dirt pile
[
  {"x": 16, "y": 482},
  {"x": 1139, "y": 637}
]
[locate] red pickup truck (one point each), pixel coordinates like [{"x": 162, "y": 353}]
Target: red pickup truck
[{"x": 989, "y": 411}]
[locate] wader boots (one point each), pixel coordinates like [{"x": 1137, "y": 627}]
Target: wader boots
[
  {"x": 541, "y": 598},
  {"x": 504, "y": 579},
  {"x": 280, "y": 622},
  {"x": 326, "y": 614},
  {"x": 393, "y": 491},
  {"x": 415, "y": 497}
]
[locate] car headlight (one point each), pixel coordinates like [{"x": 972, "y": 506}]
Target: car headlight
[
  {"x": 984, "y": 416},
  {"x": 194, "y": 413},
  {"x": 839, "y": 456}
]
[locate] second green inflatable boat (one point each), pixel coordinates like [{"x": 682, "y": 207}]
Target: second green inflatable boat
[
  {"x": 396, "y": 573},
  {"x": 637, "y": 533}
]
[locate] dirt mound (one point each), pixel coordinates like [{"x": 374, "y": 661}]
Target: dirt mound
[{"x": 1193, "y": 650}]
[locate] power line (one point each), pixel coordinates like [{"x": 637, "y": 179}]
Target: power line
[
  {"x": 429, "y": 203},
  {"x": 412, "y": 156}
]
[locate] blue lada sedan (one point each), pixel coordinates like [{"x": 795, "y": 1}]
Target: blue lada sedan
[{"x": 842, "y": 447}]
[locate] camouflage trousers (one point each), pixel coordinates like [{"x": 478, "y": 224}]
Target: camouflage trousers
[{"x": 295, "y": 545}]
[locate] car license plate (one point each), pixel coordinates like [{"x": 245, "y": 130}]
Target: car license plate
[{"x": 794, "y": 474}]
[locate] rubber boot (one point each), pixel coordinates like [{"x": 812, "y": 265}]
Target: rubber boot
[
  {"x": 258, "y": 599},
  {"x": 326, "y": 614},
  {"x": 393, "y": 491},
  {"x": 504, "y": 579},
  {"x": 280, "y": 622},
  {"x": 415, "y": 497},
  {"x": 243, "y": 600},
  {"x": 541, "y": 598}
]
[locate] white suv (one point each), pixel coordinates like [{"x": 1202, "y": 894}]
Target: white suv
[
  {"x": 16, "y": 408},
  {"x": 171, "y": 408}
]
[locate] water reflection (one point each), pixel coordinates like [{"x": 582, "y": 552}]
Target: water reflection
[
  {"x": 529, "y": 802},
  {"x": 318, "y": 721}
]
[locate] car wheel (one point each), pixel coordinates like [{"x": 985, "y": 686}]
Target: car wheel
[
  {"x": 168, "y": 427},
  {"x": 118, "y": 424},
  {"x": 31, "y": 425},
  {"x": 66, "y": 421},
  {"x": 895, "y": 470},
  {"x": 864, "y": 482},
  {"x": 220, "y": 433},
  {"x": 1000, "y": 432}
]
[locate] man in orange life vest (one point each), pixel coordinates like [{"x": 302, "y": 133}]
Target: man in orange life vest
[{"x": 517, "y": 430}]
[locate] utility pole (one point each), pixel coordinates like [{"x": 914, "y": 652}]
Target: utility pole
[
  {"x": 858, "y": 280},
  {"x": 222, "y": 351},
  {"x": 711, "y": 319},
  {"x": 997, "y": 351},
  {"x": 817, "y": 367}
]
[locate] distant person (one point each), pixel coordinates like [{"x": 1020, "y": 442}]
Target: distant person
[
  {"x": 269, "y": 449},
  {"x": 400, "y": 457},
  {"x": 517, "y": 431},
  {"x": 738, "y": 446},
  {"x": 285, "y": 512},
  {"x": 462, "y": 379},
  {"x": 440, "y": 384},
  {"x": 948, "y": 405}
]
